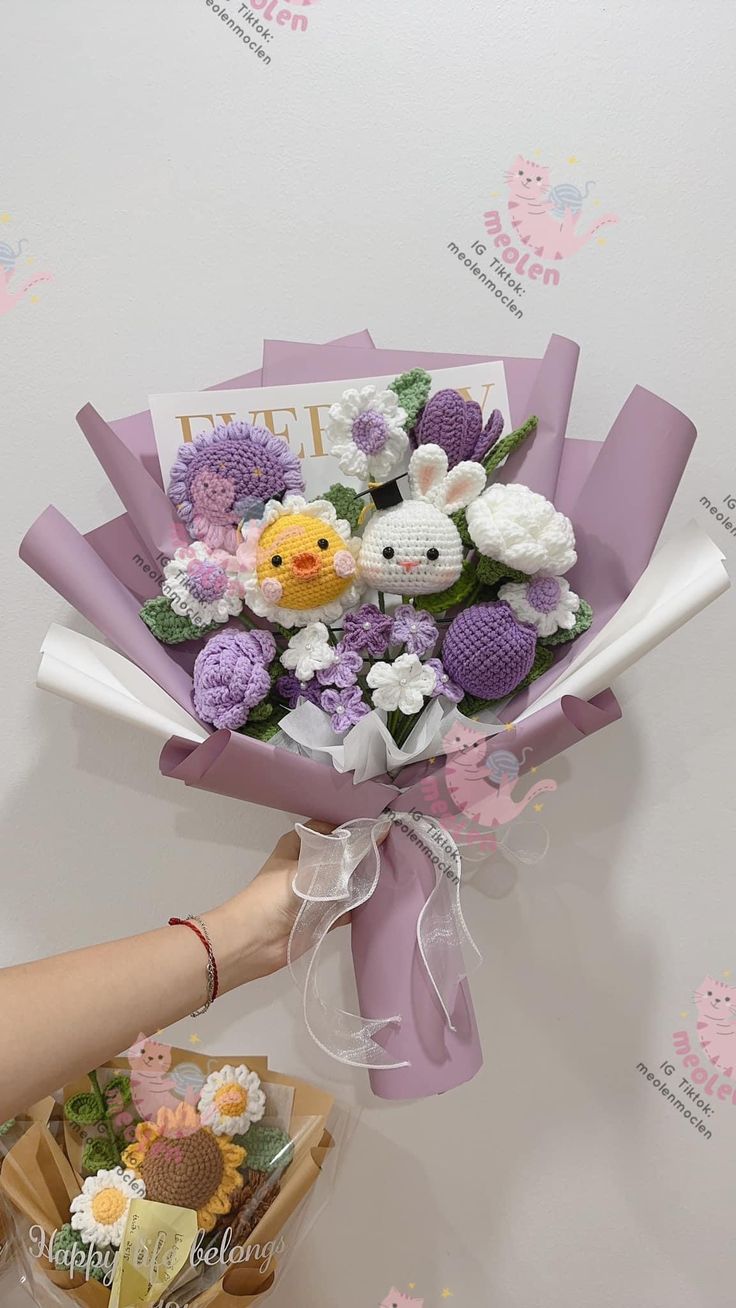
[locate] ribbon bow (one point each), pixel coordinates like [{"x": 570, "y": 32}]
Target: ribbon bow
[{"x": 339, "y": 872}]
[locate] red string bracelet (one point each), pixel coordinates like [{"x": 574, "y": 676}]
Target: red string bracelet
[{"x": 196, "y": 925}]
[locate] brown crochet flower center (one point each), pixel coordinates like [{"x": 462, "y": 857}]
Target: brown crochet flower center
[{"x": 185, "y": 1171}]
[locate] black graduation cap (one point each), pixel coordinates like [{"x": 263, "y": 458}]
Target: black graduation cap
[{"x": 386, "y": 495}]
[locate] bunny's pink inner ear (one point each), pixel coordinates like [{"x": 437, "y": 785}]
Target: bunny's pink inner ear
[
  {"x": 427, "y": 471},
  {"x": 463, "y": 484}
]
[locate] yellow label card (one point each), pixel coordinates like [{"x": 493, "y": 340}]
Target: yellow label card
[{"x": 156, "y": 1245}]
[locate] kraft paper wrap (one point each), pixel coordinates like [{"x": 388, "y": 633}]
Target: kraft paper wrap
[{"x": 39, "y": 1180}]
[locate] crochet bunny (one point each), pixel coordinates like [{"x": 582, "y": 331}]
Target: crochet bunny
[{"x": 414, "y": 548}]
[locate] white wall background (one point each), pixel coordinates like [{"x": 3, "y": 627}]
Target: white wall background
[{"x": 190, "y": 200}]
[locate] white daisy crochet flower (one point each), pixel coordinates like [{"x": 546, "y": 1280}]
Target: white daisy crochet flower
[
  {"x": 299, "y": 563},
  {"x": 100, "y": 1212},
  {"x": 309, "y": 651},
  {"x": 203, "y": 584},
  {"x": 366, "y": 432},
  {"x": 231, "y": 1100},
  {"x": 403, "y": 684},
  {"x": 546, "y": 602},
  {"x": 514, "y": 525}
]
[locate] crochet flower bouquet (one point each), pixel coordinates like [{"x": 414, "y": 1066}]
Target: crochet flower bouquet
[
  {"x": 169, "y": 1177},
  {"x": 463, "y": 593}
]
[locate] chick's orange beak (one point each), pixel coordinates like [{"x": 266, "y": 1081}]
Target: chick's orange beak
[{"x": 305, "y": 565}]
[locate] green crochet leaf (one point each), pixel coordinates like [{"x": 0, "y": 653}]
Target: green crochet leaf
[
  {"x": 265, "y": 729},
  {"x": 490, "y": 572},
  {"x": 7, "y": 1126},
  {"x": 583, "y": 621},
  {"x": 261, "y": 712},
  {"x": 68, "y": 1247},
  {"x": 84, "y": 1109},
  {"x": 461, "y": 522},
  {"x": 346, "y": 503},
  {"x": 266, "y": 1148},
  {"x": 506, "y": 446},
  {"x": 413, "y": 390},
  {"x": 98, "y": 1154},
  {"x": 120, "y": 1082},
  {"x": 462, "y": 592},
  {"x": 169, "y": 627}
]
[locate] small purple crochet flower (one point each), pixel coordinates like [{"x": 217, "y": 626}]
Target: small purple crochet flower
[
  {"x": 443, "y": 684},
  {"x": 290, "y": 689},
  {"x": 413, "y": 628},
  {"x": 344, "y": 671},
  {"x": 457, "y": 425},
  {"x": 219, "y": 476},
  {"x": 231, "y": 676},
  {"x": 345, "y": 707},
  {"x": 367, "y": 631}
]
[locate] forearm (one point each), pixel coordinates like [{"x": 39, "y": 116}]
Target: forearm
[{"x": 62, "y": 1016}]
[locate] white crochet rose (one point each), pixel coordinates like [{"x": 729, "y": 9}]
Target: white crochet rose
[
  {"x": 514, "y": 525},
  {"x": 366, "y": 432},
  {"x": 546, "y": 602}
]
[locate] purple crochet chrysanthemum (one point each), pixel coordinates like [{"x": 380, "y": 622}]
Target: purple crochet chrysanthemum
[
  {"x": 414, "y": 629},
  {"x": 290, "y": 689},
  {"x": 487, "y": 651},
  {"x": 220, "y": 475},
  {"x": 345, "y": 707},
  {"x": 443, "y": 684},
  {"x": 231, "y": 676},
  {"x": 344, "y": 671},
  {"x": 367, "y": 631},
  {"x": 457, "y": 425}
]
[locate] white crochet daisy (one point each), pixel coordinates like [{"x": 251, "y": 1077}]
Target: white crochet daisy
[
  {"x": 403, "y": 684},
  {"x": 298, "y": 564},
  {"x": 546, "y": 602},
  {"x": 231, "y": 1100},
  {"x": 309, "y": 651},
  {"x": 203, "y": 584},
  {"x": 366, "y": 432},
  {"x": 514, "y": 525},
  {"x": 100, "y": 1212}
]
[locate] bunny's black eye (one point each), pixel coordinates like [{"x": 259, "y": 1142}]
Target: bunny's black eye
[
  {"x": 433, "y": 554},
  {"x": 277, "y": 560},
  {"x": 389, "y": 552},
  {"x": 323, "y": 544}
]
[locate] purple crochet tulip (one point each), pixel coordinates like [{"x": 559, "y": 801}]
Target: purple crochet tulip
[
  {"x": 487, "y": 652},
  {"x": 344, "y": 671},
  {"x": 345, "y": 707},
  {"x": 457, "y": 425},
  {"x": 367, "y": 631},
  {"x": 413, "y": 628},
  {"x": 443, "y": 684},
  {"x": 220, "y": 476},
  {"x": 231, "y": 676}
]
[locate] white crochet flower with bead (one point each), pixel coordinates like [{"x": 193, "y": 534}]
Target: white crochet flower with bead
[
  {"x": 514, "y": 525},
  {"x": 231, "y": 1100},
  {"x": 100, "y": 1212},
  {"x": 203, "y": 584},
  {"x": 366, "y": 432},
  {"x": 309, "y": 651},
  {"x": 403, "y": 684},
  {"x": 546, "y": 602}
]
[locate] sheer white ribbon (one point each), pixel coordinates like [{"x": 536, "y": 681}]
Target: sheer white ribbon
[{"x": 339, "y": 872}]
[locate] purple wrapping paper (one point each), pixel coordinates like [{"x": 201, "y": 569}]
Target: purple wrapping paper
[{"x": 617, "y": 493}]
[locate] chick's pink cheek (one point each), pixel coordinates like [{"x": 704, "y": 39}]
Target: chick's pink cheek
[
  {"x": 272, "y": 590},
  {"x": 344, "y": 563}
]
